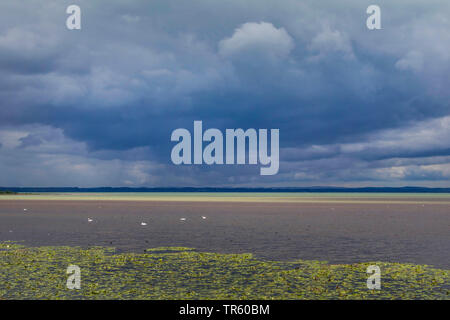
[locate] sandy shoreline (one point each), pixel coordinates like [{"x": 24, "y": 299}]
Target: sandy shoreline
[{"x": 350, "y": 198}]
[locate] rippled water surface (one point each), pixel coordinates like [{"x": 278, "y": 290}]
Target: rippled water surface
[{"x": 339, "y": 228}]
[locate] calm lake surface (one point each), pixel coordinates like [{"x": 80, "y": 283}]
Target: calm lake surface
[{"x": 334, "y": 227}]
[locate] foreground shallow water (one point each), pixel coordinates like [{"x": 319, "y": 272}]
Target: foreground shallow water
[{"x": 182, "y": 273}]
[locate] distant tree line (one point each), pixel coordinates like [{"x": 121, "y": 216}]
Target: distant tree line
[{"x": 7, "y": 192}]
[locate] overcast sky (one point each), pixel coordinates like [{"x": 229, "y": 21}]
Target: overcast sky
[{"x": 96, "y": 106}]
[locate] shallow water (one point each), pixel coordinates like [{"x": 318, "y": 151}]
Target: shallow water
[{"x": 397, "y": 228}]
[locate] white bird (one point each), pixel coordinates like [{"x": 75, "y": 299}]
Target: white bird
[
  {"x": 183, "y": 219},
  {"x": 90, "y": 220},
  {"x": 143, "y": 223},
  {"x": 203, "y": 217}
]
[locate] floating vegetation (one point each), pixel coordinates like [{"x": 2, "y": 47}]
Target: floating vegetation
[{"x": 183, "y": 273}]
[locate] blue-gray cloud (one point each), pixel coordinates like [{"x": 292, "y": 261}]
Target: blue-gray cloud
[{"x": 345, "y": 98}]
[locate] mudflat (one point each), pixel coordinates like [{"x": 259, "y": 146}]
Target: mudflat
[{"x": 349, "y": 229}]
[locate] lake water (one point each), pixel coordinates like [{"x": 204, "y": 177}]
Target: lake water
[{"x": 334, "y": 227}]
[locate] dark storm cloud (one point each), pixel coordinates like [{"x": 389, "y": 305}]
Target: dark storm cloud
[{"x": 138, "y": 70}]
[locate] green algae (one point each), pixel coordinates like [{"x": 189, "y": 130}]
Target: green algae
[{"x": 183, "y": 273}]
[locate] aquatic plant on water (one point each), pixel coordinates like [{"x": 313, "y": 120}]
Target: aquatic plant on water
[{"x": 183, "y": 273}]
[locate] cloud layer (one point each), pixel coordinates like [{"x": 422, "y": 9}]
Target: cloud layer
[{"x": 96, "y": 107}]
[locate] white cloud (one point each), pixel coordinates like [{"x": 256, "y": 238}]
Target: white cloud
[
  {"x": 260, "y": 37},
  {"x": 35, "y": 155},
  {"x": 331, "y": 42},
  {"x": 411, "y": 154},
  {"x": 412, "y": 61},
  {"x": 20, "y": 40}
]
